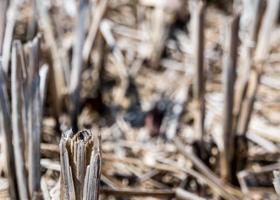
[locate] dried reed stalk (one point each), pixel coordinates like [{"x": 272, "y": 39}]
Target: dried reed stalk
[
  {"x": 77, "y": 62},
  {"x": 98, "y": 15},
  {"x": 3, "y": 10},
  {"x": 80, "y": 156},
  {"x": 17, "y": 68},
  {"x": 262, "y": 51},
  {"x": 229, "y": 78},
  {"x": 6, "y": 129},
  {"x": 23, "y": 125},
  {"x": 250, "y": 21},
  {"x": 185, "y": 195},
  {"x": 199, "y": 80},
  {"x": 34, "y": 114},
  {"x": 56, "y": 71},
  {"x": 251, "y": 13}
]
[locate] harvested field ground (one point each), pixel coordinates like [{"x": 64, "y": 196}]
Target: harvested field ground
[{"x": 139, "y": 99}]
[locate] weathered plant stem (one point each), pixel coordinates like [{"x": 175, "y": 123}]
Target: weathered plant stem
[
  {"x": 56, "y": 70},
  {"x": 80, "y": 157},
  {"x": 3, "y": 10},
  {"x": 6, "y": 128},
  {"x": 34, "y": 122},
  {"x": 229, "y": 82},
  {"x": 199, "y": 80},
  {"x": 77, "y": 63},
  {"x": 89, "y": 42},
  {"x": 17, "y": 119}
]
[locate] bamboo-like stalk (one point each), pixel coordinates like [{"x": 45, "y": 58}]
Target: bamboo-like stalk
[
  {"x": 198, "y": 86},
  {"x": 17, "y": 119},
  {"x": 229, "y": 78},
  {"x": 80, "y": 157}
]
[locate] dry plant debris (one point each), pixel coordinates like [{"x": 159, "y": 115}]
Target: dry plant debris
[{"x": 139, "y": 99}]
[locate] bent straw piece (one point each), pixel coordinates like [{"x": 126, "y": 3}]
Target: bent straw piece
[{"x": 97, "y": 17}]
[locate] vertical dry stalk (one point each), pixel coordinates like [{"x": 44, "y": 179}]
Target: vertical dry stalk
[
  {"x": 6, "y": 129},
  {"x": 34, "y": 121},
  {"x": 250, "y": 21},
  {"x": 23, "y": 125},
  {"x": 56, "y": 72},
  {"x": 17, "y": 66},
  {"x": 198, "y": 38},
  {"x": 3, "y": 9},
  {"x": 77, "y": 62},
  {"x": 80, "y": 156},
  {"x": 229, "y": 78},
  {"x": 250, "y": 18}
]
